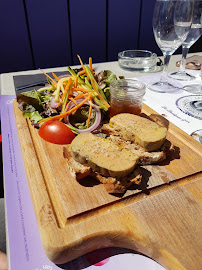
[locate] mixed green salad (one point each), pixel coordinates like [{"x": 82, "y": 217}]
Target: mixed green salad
[{"x": 80, "y": 100}]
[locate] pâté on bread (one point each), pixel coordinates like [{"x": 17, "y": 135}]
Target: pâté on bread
[{"x": 115, "y": 155}]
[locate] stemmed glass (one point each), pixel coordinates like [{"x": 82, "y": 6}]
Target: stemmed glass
[
  {"x": 193, "y": 35},
  {"x": 171, "y": 23}
]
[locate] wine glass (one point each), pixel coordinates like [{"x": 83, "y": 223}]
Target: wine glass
[
  {"x": 193, "y": 35},
  {"x": 171, "y": 23}
]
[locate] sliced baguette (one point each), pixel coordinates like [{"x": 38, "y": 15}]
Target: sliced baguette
[
  {"x": 115, "y": 185},
  {"x": 111, "y": 184},
  {"x": 103, "y": 156},
  {"x": 140, "y": 130},
  {"x": 77, "y": 170}
]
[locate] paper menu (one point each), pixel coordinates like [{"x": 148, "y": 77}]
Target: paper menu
[{"x": 166, "y": 104}]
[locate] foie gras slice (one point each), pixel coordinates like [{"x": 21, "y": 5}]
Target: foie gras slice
[
  {"x": 140, "y": 130},
  {"x": 103, "y": 156}
]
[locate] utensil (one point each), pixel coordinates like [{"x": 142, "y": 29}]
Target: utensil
[{"x": 171, "y": 24}]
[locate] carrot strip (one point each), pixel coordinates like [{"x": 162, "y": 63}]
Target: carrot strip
[
  {"x": 66, "y": 107},
  {"x": 76, "y": 81},
  {"x": 82, "y": 90},
  {"x": 82, "y": 64},
  {"x": 73, "y": 100},
  {"x": 78, "y": 106},
  {"x": 82, "y": 72},
  {"x": 89, "y": 115},
  {"x": 65, "y": 91},
  {"x": 99, "y": 95},
  {"x": 55, "y": 76},
  {"x": 62, "y": 115},
  {"x": 81, "y": 96},
  {"x": 49, "y": 77},
  {"x": 91, "y": 64}
]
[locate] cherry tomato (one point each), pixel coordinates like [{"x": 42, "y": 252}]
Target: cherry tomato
[{"x": 56, "y": 132}]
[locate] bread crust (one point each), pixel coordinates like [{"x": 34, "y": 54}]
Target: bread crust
[{"x": 76, "y": 169}]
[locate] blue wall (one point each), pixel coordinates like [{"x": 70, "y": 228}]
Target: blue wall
[{"x": 50, "y": 33}]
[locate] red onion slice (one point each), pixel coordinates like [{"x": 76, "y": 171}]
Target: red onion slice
[
  {"x": 96, "y": 123},
  {"x": 54, "y": 104}
]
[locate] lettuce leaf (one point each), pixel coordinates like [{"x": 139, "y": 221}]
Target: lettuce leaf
[
  {"x": 33, "y": 98},
  {"x": 33, "y": 116}
]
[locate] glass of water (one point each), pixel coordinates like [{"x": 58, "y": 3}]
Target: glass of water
[
  {"x": 172, "y": 20},
  {"x": 193, "y": 35}
]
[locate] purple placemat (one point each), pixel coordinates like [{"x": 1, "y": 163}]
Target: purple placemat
[{"x": 25, "y": 247}]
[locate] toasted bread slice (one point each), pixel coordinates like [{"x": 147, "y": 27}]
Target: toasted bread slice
[
  {"x": 111, "y": 184},
  {"x": 76, "y": 169},
  {"x": 137, "y": 129},
  {"x": 103, "y": 156},
  {"x": 116, "y": 185}
]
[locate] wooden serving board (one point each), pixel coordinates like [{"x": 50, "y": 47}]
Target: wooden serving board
[{"x": 161, "y": 219}]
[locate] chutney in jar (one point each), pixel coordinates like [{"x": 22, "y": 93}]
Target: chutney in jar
[
  {"x": 125, "y": 107},
  {"x": 126, "y": 96}
]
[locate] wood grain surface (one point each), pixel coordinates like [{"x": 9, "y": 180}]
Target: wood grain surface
[{"x": 162, "y": 219}]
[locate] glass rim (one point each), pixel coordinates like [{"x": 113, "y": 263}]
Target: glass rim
[{"x": 123, "y": 56}]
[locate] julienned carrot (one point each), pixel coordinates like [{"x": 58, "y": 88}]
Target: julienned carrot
[
  {"x": 76, "y": 81},
  {"x": 78, "y": 106},
  {"x": 55, "y": 76},
  {"x": 73, "y": 100},
  {"x": 99, "y": 95},
  {"x": 54, "y": 82},
  {"x": 82, "y": 72},
  {"x": 91, "y": 64},
  {"x": 89, "y": 115},
  {"x": 62, "y": 115},
  {"x": 66, "y": 89},
  {"x": 82, "y": 64},
  {"x": 82, "y": 90},
  {"x": 66, "y": 106},
  {"x": 81, "y": 96}
]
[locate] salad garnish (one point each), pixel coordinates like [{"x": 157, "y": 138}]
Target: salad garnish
[{"x": 66, "y": 98}]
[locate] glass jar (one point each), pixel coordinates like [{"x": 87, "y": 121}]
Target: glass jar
[{"x": 126, "y": 96}]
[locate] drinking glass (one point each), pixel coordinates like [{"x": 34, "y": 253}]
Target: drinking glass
[
  {"x": 193, "y": 35},
  {"x": 171, "y": 23}
]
